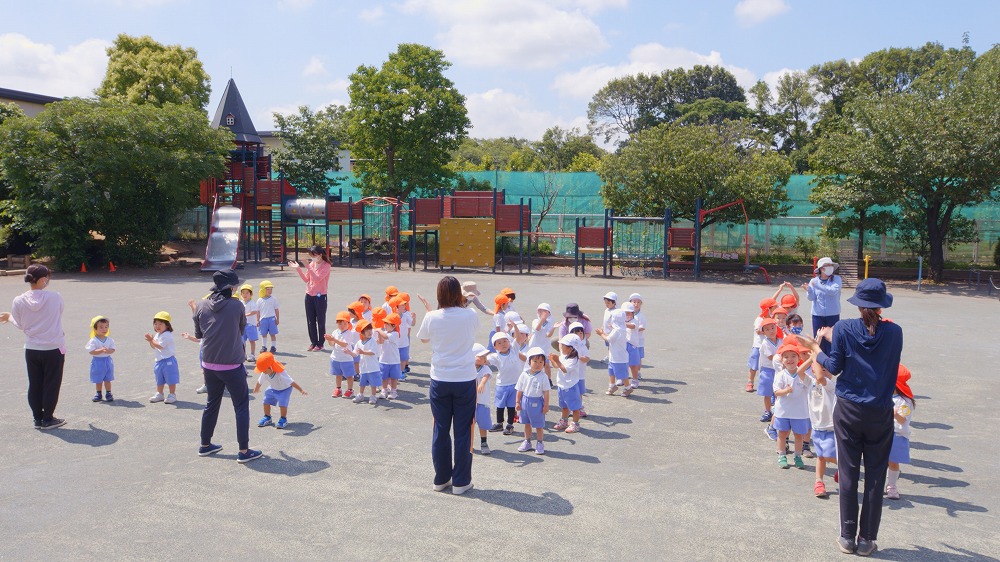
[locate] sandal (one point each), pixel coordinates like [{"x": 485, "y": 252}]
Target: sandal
[{"x": 749, "y": 387}]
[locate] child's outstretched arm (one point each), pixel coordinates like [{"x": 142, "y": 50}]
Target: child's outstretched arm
[
  {"x": 296, "y": 386},
  {"x": 153, "y": 344},
  {"x": 554, "y": 359},
  {"x": 189, "y": 337},
  {"x": 330, "y": 338}
]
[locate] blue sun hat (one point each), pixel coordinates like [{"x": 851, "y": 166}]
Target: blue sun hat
[{"x": 871, "y": 293}]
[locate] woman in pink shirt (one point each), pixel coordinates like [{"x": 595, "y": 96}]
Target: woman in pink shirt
[
  {"x": 38, "y": 313},
  {"x": 317, "y": 278}
]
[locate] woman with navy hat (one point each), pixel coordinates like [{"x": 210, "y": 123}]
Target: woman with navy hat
[{"x": 864, "y": 355}]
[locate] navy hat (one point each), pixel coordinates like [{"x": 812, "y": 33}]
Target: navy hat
[
  {"x": 573, "y": 311},
  {"x": 224, "y": 279},
  {"x": 871, "y": 293}
]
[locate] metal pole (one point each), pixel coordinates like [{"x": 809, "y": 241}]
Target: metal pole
[
  {"x": 667, "y": 219},
  {"x": 920, "y": 270},
  {"x": 697, "y": 238}
]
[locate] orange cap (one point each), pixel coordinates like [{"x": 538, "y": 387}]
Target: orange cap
[
  {"x": 343, "y": 315},
  {"x": 391, "y": 291},
  {"x": 507, "y": 291},
  {"x": 362, "y": 325},
  {"x": 393, "y": 319},
  {"x": 357, "y": 308},
  {"x": 779, "y": 310},
  {"x": 378, "y": 315},
  {"x": 788, "y": 301},
  {"x": 790, "y": 344},
  {"x": 396, "y": 301},
  {"x": 903, "y": 382},
  {"x": 404, "y": 296},
  {"x": 365, "y": 296},
  {"x": 768, "y": 322},
  {"x": 267, "y": 361}
]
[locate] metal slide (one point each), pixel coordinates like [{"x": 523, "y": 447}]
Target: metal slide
[{"x": 222, "y": 251}]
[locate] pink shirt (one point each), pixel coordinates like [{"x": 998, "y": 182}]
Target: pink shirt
[
  {"x": 317, "y": 277},
  {"x": 38, "y": 314}
]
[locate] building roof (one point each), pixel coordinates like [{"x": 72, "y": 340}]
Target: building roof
[
  {"x": 232, "y": 105},
  {"x": 27, "y": 97}
]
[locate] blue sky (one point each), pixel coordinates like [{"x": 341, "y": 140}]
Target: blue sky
[{"x": 524, "y": 65}]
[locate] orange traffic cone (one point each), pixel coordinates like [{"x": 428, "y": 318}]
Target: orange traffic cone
[
  {"x": 83, "y": 268},
  {"x": 112, "y": 268}
]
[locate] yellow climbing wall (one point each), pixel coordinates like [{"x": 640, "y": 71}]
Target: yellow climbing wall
[{"x": 468, "y": 242}]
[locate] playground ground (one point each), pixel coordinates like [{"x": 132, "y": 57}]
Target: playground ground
[{"x": 680, "y": 471}]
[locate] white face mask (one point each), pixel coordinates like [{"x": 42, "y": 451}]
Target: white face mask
[
  {"x": 313, "y": 258},
  {"x": 828, "y": 270}
]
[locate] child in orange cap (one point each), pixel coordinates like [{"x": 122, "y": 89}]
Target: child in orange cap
[
  {"x": 789, "y": 302},
  {"x": 502, "y": 303},
  {"x": 390, "y": 292},
  {"x": 406, "y": 321},
  {"x": 366, "y": 350},
  {"x": 279, "y": 388},
  {"x": 791, "y": 407},
  {"x": 768, "y": 347},
  {"x": 341, "y": 363},
  {"x": 388, "y": 359},
  {"x": 753, "y": 361},
  {"x": 366, "y": 302},
  {"x": 511, "y": 295},
  {"x": 903, "y": 404}
]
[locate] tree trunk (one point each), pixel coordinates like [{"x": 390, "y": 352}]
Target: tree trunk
[{"x": 935, "y": 237}]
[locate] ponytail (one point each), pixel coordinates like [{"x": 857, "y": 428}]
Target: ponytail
[{"x": 871, "y": 319}]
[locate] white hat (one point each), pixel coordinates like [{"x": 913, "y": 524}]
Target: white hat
[
  {"x": 628, "y": 307},
  {"x": 512, "y": 316},
  {"x": 611, "y": 296},
  {"x": 499, "y": 336},
  {"x": 470, "y": 287},
  {"x": 479, "y": 349},
  {"x": 574, "y": 326},
  {"x": 570, "y": 339},
  {"x": 823, "y": 262},
  {"x": 545, "y": 306},
  {"x": 523, "y": 328},
  {"x": 618, "y": 318},
  {"x": 635, "y": 297},
  {"x": 535, "y": 351}
]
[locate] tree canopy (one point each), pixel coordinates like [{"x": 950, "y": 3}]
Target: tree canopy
[
  {"x": 404, "y": 121},
  {"x": 141, "y": 70},
  {"x": 311, "y": 142}
]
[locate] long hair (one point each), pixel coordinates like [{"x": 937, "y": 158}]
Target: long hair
[
  {"x": 449, "y": 292},
  {"x": 872, "y": 318},
  {"x": 319, "y": 251}
]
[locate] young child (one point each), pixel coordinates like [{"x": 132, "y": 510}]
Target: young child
[
  {"x": 366, "y": 307},
  {"x": 100, "y": 347},
  {"x": 753, "y": 362},
  {"x": 791, "y": 408},
  {"x": 822, "y": 401},
  {"x": 358, "y": 312},
  {"x": 780, "y": 315},
  {"x": 165, "y": 369},
  {"x": 634, "y": 360},
  {"x": 568, "y": 369},
  {"x": 406, "y": 320},
  {"x": 617, "y": 355},
  {"x": 279, "y": 389},
  {"x": 269, "y": 316},
  {"x": 903, "y": 404},
  {"x": 610, "y": 305},
  {"x": 203, "y": 389},
  {"x": 390, "y": 292},
  {"x": 789, "y": 302},
  {"x": 501, "y": 302},
  {"x": 584, "y": 353},
  {"x": 793, "y": 324},
  {"x": 638, "y": 331},
  {"x": 388, "y": 358},
  {"x": 366, "y": 350},
  {"x": 541, "y": 329},
  {"x": 511, "y": 296},
  {"x": 484, "y": 380},
  {"x": 341, "y": 362},
  {"x": 768, "y": 346},
  {"x": 509, "y": 367},
  {"x": 533, "y": 400},
  {"x": 253, "y": 318}
]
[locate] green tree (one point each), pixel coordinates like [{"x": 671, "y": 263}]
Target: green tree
[
  {"x": 404, "y": 122},
  {"x": 559, "y": 146},
  {"x": 141, "y": 70},
  {"x": 672, "y": 166},
  {"x": 478, "y": 155},
  {"x": 10, "y": 237},
  {"x": 119, "y": 170},
  {"x": 309, "y": 148},
  {"x": 584, "y": 162}
]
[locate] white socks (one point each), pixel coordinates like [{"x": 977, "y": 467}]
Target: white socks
[{"x": 891, "y": 477}]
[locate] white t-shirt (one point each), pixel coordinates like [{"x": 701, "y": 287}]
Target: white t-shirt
[
  {"x": 166, "y": 339},
  {"x": 794, "y": 406},
  {"x": 405, "y": 323},
  {"x": 249, "y": 307},
  {"x": 635, "y": 337},
  {"x": 277, "y": 381},
  {"x": 350, "y": 336},
  {"x": 822, "y": 401},
  {"x": 388, "y": 353},
  {"x": 532, "y": 384},
  {"x": 539, "y": 333},
  {"x": 509, "y": 366},
  {"x": 608, "y": 313},
  {"x": 96, "y": 343},
  {"x": 484, "y": 396},
  {"x": 767, "y": 349},
  {"x": 367, "y": 363},
  {"x": 267, "y": 306},
  {"x": 757, "y": 336},
  {"x": 776, "y": 358},
  {"x": 452, "y": 333},
  {"x": 572, "y": 374},
  {"x": 904, "y": 406},
  {"x": 617, "y": 352},
  {"x": 498, "y": 321}
]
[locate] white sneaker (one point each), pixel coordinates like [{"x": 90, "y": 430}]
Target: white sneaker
[
  {"x": 202, "y": 390},
  {"x": 393, "y": 395},
  {"x": 635, "y": 383},
  {"x": 383, "y": 394},
  {"x": 158, "y": 397},
  {"x": 359, "y": 399},
  {"x": 373, "y": 400},
  {"x": 171, "y": 398},
  {"x": 612, "y": 389}
]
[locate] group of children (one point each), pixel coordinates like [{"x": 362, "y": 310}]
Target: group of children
[{"x": 799, "y": 397}]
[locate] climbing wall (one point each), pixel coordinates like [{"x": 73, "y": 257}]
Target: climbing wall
[{"x": 467, "y": 242}]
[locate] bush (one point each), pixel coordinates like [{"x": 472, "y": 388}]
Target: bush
[
  {"x": 996, "y": 253},
  {"x": 807, "y": 247}
]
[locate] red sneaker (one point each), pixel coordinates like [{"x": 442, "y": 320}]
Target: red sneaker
[
  {"x": 836, "y": 476},
  {"x": 820, "y": 490},
  {"x": 348, "y": 394},
  {"x": 336, "y": 392}
]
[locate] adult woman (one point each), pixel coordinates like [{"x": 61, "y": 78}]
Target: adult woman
[
  {"x": 38, "y": 313},
  {"x": 317, "y": 278},
  {"x": 865, "y": 353},
  {"x": 574, "y": 314},
  {"x": 219, "y": 320},
  {"x": 451, "y": 331},
  {"x": 824, "y": 294}
]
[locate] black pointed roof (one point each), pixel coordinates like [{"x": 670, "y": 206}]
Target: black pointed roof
[{"x": 232, "y": 104}]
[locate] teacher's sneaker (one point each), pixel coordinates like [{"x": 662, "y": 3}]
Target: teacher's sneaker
[
  {"x": 865, "y": 547},
  {"x": 158, "y": 397},
  {"x": 209, "y": 449},
  {"x": 846, "y": 546},
  {"x": 52, "y": 424},
  {"x": 496, "y": 427},
  {"x": 202, "y": 389},
  {"x": 170, "y": 399},
  {"x": 508, "y": 430},
  {"x": 250, "y": 455},
  {"x": 459, "y": 490}
]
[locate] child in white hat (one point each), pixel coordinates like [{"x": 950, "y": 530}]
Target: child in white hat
[{"x": 533, "y": 400}]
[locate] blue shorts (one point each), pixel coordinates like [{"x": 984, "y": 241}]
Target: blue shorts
[
  {"x": 824, "y": 444},
  {"x": 531, "y": 412},
  {"x": 404, "y": 353},
  {"x": 489, "y": 342},
  {"x": 796, "y": 426},
  {"x": 274, "y": 397},
  {"x": 754, "y": 360},
  {"x": 619, "y": 371},
  {"x": 373, "y": 379},
  {"x": 506, "y": 396},
  {"x": 268, "y": 326},
  {"x": 900, "y": 452},
  {"x": 166, "y": 371},
  {"x": 582, "y": 386},
  {"x": 483, "y": 418},
  {"x": 634, "y": 359},
  {"x": 250, "y": 333},
  {"x": 392, "y": 371},
  {"x": 342, "y": 368},
  {"x": 570, "y": 398},
  {"x": 765, "y": 383},
  {"x": 102, "y": 369}
]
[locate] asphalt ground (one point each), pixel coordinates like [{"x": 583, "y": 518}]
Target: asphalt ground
[{"x": 681, "y": 470}]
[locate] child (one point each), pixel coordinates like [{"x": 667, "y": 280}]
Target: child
[
  {"x": 902, "y": 408},
  {"x": 766, "y": 306},
  {"x": 568, "y": 369},
  {"x": 366, "y": 351},
  {"x": 253, "y": 317},
  {"x": 822, "y": 401},
  {"x": 541, "y": 332},
  {"x": 165, "y": 369},
  {"x": 768, "y": 346},
  {"x": 511, "y": 295},
  {"x": 100, "y": 347},
  {"x": 203, "y": 389},
  {"x": 268, "y": 316},
  {"x": 341, "y": 362},
  {"x": 780, "y": 315},
  {"x": 617, "y": 355},
  {"x": 584, "y": 353},
  {"x": 388, "y": 358},
  {"x": 390, "y": 292},
  {"x": 484, "y": 380},
  {"x": 533, "y": 400},
  {"x": 279, "y": 389},
  {"x": 501, "y": 302},
  {"x": 791, "y": 408},
  {"x": 366, "y": 307},
  {"x": 406, "y": 320},
  {"x": 793, "y": 324},
  {"x": 638, "y": 331},
  {"x": 610, "y": 304},
  {"x": 789, "y": 302},
  {"x": 634, "y": 361},
  {"x": 509, "y": 367},
  {"x": 358, "y": 312}
]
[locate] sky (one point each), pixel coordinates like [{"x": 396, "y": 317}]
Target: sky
[{"x": 523, "y": 65}]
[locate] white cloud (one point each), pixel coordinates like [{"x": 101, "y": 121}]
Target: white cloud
[
  {"x": 514, "y": 33},
  {"x": 752, "y": 12},
  {"x": 372, "y": 14},
  {"x": 498, "y": 113},
  {"x": 40, "y": 69},
  {"x": 295, "y": 5},
  {"x": 648, "y": 58},
  {"x": 314, "y": 67}
]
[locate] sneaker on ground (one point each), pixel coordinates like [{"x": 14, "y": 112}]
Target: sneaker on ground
[
  {"x": 264, "y": 421},
  {"x": 319, "y": 349},
  {"x": 311, "y": 348},
  {"x": 865, "y": 547},
  {"x": 357, "y": 378},
  {"x": 807, "y": 453},
  {"x": 525, "y": 446},
  {"x": 373, "y": 400},
  {"x": 337, "y": 393},
  {"x": 749, "y": 387},
  {"x": 393, "y": 395},
  {"x": 282, "y": 422},
  {"x": 820, "y": 489},
  {"x": 484, "y": 449},
  {"x": 561, "y": 425},
  {"x": 772, "y": 433},
  {"x": 170, "y": 399},
  {"x": 348, "y": 393},
  {"x": 782, "y": 461},
  {"x": 52, "y": 423},
  {"x": 798, "y": 462},
  {"x": 97, "y": 398},
  {"x": 108, "y": 397},
  {"x": 383, "y": 394},
  {"x": 209, "y": 449},
  {"x": 846, "y": 546},
  {"x": 628, "y": 391},
  {"x": 612, "y": 389},
  {"x": 539, "y": 448},
  {"x": 583, "y": 413},
  {"x": 158, "y": 397},
  {"x": 459, "y": 490},
  {"x": 202, "y": 389},
  {"x": 442, "y": 487},
  {"x": 573, "y": 427},
  {"x": 766, "y": 417},
  {"x": 359, "y": 399},
  {"x": 250, "y": 455},
  {"x": 274, "y": 349},
  {"x": 251, "y": 359},
  {"x": 892, "y": 492},
  {"x": 496, "y": 427},
  {"x": 38, "y": 424},
  {"x": 508, "y": 430},
  {"x": 635, "y": 383}
]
